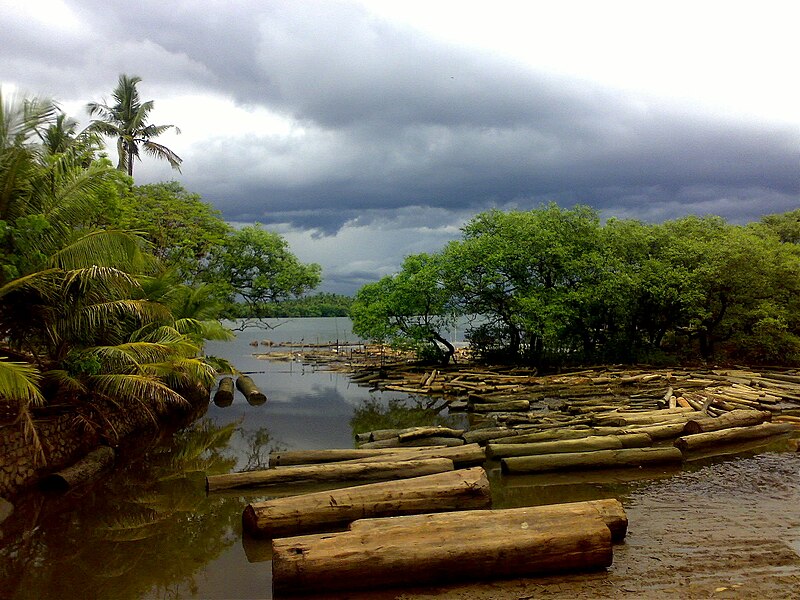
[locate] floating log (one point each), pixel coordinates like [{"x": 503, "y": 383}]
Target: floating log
[
  {"x": 649, "y": 419},
  {"x": 84, "y": 470},
  {"x": 508, "y": 405},
  {"x": 428, "y": 432},
  {"x": 735, "y": 418},
  {"x": 453, "y": 490},
  {"x": 489, "y": 433},
  {"x": 736, "y": 434},
  {"x": 586, "y": 444},
  {"x": 628, "y": 457},
  {"x": 330, "y": 472},
  {"x": 437, "y": 550},
  {"x": 247, "y": 386},
  {"x": 460, "y": 455},
  {"x": 428, "y": 441},
  {"x": 466, "y": 454},
  {"x": 224, "y": 394}
]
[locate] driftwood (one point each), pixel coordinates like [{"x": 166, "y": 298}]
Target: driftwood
[
  {"x": 585, "y": 444},
  {"x": 628, "y": 457},
  {"x": 330, "y": 472},
  {"x": 247, "y": 386},
  {"x": 84, "y": 470},
  {"x": 454, "y": 490},
  {"x": 224, "y": 394},
  {"x": 442, "y": 547},
  {"x": 736, "y": 434}
]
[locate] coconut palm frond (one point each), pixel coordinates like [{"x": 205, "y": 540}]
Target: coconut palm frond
[
  {"x": 65, "y": 381},
  {"x": 136, "y": 388},
  {"x": 182, "y": 371},
  {"x": 32, "y": 435},
  {"x": 41, "y": 281},
  {"x": 19, "y": 383},
  {"x": 103, "y": 247},
  {"x": 206, "y": 330},
  {"x": 221, "y": 365}
]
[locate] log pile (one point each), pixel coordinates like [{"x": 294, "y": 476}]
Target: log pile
[{"x": 442, "y": 547}]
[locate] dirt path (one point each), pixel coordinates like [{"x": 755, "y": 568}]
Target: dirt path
[{"x": 728, "y": 530}]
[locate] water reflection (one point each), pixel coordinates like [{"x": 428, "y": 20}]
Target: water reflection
[
  {"x": 396, "y": 413},
  {"x": 146, "y": 531}
]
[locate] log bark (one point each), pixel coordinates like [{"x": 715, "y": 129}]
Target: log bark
[
  {"x": 609, "y": 509},
  {"x": 247, "y": 386},
  {"x": 735, "y": 418},
  {"x": 224, "y": 394},
  {"x": 466, "y": 454},
  {"x": 439, "y": 551},
  {"x": 507, "y": 406},
  {"x": 429, "y": 441},
  {"x": 454, "y": 490},
  {"x": 736, "y": 434},
  {"x": 628, "y": 457},
  {"x": 648, "y": 419},
  {"x": 378, "y": 471},
  {"x": 585, "y": 444},
  {"x": 489, "y": 433},
  {"x": 84, "y": 470},
  {"x": 428, "y": 432},
  {"x": 311, "y": 457}
]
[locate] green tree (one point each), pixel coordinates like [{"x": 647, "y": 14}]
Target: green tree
[
  {"x": 256, "y": 268},
  {"x": 409, "y": 308},
  {"x": 126, "y": 119},
  {"x": 182, "y": 229}
]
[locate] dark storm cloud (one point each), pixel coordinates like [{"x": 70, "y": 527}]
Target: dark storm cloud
[{"x": 392, "y": 119}]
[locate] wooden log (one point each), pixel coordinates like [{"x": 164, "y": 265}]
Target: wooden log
[
  {"x": 396, "y": 443},
  {"x": 453, "y": 490},
  {"x": 585, "y": 444},
  {"x": 698, "y": 441},
  {"x": 427, "y": 432},
  {"x": 224, "y": 394},
  {"x": 489, "y": 433},
  {"x": 657, "y": 432},
  {"x": 735, "y": 418},
  {"x": 648, "y": 419},
  {"x": 84, "y": 470},
  {"x": 330, "y": 472},
  {"x": 310, "y": 457},
  {"x": 508, "y": 405},
  {"x": 438, "y": 552},
  {"x": 627, "y": 457},
  {"x": 609, "y": 509},
  {"x": 467, "y": 454},
  {"x": 247, "y": 386}
]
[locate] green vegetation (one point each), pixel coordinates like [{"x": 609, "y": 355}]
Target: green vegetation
[
  {"x": 126, "y": 120},
  {"x": 553, "y": 287},
  {"x": 107, "y": 290},
  {"x": 315, "y": 305}
]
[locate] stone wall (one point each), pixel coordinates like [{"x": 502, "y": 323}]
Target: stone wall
[
  {"x": 61, "y": 440},
  {"x": 65, "y": 440}
]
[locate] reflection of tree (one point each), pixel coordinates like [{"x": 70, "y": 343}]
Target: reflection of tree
[
  {"x": 398, "y": 414},
  {"x": 260, "y": 444},
  {"x": 147, "y": 530}
]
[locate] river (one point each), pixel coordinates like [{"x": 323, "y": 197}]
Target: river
[{"x": 149, "y": 530}]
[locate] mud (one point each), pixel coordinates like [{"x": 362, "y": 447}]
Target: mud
[{"x": 726, "y": 530}]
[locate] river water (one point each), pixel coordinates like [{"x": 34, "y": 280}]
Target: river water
[{"x": 149, "y": 530}]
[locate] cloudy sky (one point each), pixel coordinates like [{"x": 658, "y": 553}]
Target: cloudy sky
[{"x": 364, "y": 131}]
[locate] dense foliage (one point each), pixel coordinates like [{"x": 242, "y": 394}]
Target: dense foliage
[
  {"x": 553, "y": 286},
  {"x": 322, "y": 304},
  {"x": 108, "y": 290}
]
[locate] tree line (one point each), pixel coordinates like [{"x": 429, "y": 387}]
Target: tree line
[
  {"x": 552, "y": 287},
  {"x": 107, "y": 289}
]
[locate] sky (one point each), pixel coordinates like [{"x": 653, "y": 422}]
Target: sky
[{"x": 365, "y": 131}]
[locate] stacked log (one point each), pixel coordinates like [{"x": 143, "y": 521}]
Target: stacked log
[
  {"x": 467, "y": 454},
  {"x": 501, "y": 543},
  {"x": 585, "y": 444},
  {"x": 410, "y": 437},
  {"x": 247, "y": 386},
  {"x": 449, "y": 491}
]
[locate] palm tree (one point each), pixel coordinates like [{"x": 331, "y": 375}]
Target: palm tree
[{"x": 126, "y": 120}]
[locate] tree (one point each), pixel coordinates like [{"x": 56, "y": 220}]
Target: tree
[
  {"x": 182, "y": 229},
  {"x": 126, "y": 119},
  {"x": 409, "y": 308},
  {"x": 255, "y": 266}
]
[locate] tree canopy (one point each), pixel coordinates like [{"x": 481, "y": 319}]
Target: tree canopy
[{"x": 555, "y": 286}]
